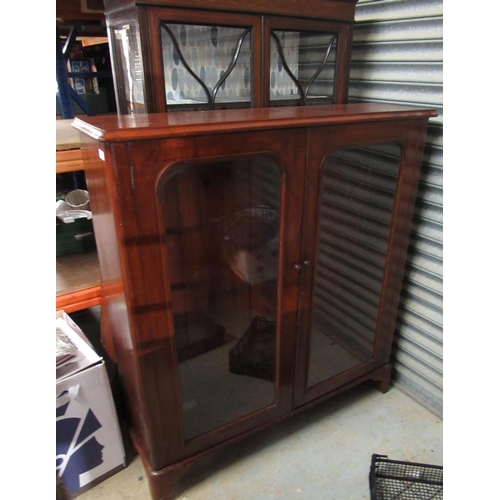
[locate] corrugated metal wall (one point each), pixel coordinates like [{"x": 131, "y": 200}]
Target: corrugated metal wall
[
  {"x": 398, "y": 58},
  {"x": 358, "y": 188}
]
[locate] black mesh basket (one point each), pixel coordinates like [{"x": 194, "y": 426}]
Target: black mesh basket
[
  {"x": 393, "y": 479},
  {"x": 254, "y": 354}
]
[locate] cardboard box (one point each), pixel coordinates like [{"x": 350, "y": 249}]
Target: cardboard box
[
  {"x": 250, "y": 243},
  {"x": 89, "y": 446},
  {"x": 255, "y": 267}
]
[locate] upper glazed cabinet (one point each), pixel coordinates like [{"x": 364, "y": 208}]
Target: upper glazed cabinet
[{"x": 185, "y": 55}]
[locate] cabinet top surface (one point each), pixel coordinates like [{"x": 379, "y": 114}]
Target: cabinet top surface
[{"x": 120, "y": 128}]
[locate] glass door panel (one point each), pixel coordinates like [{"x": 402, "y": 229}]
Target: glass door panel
[
  {"x": 207, "y": 65},
  {"x": 221, "y": 227},
  {"x": 358, "y": 188},
  {"x": 303, "y": 65},
  {"x": 129, "y": 66}
]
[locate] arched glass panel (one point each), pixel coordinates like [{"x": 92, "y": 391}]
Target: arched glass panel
[
  {"x": 358, "y": 189},
  {"x": 221, "y": 229}
]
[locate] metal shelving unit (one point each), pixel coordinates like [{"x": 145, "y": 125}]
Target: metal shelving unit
[
  {"x": 65, "y": 92},
  {"x": 78, "y": 280}
]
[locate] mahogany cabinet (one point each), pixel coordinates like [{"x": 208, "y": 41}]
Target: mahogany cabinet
[
  {"x": 251, "y": 262},
  {"x": 170, "y": 55}
]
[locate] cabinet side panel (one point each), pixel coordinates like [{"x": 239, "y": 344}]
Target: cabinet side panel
[
  {"x": 116, "y": 334},
  {"x": 141, "y": 348}
]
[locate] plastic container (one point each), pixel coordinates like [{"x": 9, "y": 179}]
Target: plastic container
[{"x": 78, "y": 199}]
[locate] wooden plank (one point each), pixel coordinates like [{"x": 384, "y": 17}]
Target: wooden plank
[
  {"x": 69, "y": 161},
  {"x": 81, "y": 299}
]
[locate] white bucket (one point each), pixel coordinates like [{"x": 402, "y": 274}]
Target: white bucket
[{"x": 78, "y": 199}]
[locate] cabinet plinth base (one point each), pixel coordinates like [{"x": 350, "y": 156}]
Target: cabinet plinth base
[
  {"x": 161, "y": 482},
  {"x": 383, "y": 377}
]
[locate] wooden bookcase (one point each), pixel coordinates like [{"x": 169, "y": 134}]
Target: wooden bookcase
[
  {"x": 252, "y": 233},
  {"x": 251, "y": 263}
]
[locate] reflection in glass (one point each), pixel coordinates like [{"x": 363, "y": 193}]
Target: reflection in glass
[
  {"x": 357, "y": 198},
  {"x": 130, "y": 76},
  {"x": 206, "y": 64},
  {"x": 302, "y": 67},
  {"x": 221, "y": 223}
]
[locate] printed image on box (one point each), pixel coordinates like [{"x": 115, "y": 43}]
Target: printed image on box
[
  {"x": 77, "y": 449},
  {"x": 89, "y": 445}
]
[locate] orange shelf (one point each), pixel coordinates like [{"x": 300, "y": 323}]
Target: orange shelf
[
  {"x": 78, "y": 281},
  {"x": 78, "y": 278},
  {"x": 81, "y": 299}
]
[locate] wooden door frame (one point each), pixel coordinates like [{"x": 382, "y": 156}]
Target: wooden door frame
[
  {"x": 322, "y": 141},
  {"x": 153, "y": 323},
  {"x": 343, "y": 56},
  {"x": 154, "y": 58}
]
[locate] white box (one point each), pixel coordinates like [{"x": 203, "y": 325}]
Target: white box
[
  {"x": 89, "y": 446},
  {"x": 255, "y": 267},
  {"x": 250, "y": 248}
]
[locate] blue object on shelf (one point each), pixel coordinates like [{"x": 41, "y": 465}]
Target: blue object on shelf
[{"x": 65, "y": 93}]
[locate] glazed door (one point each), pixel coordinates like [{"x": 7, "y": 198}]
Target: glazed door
[
  {"x": 204, "y": 59},
  {"x": 355, "y": 240},
  {"x": 305, "y": 61},
  {"x": 218, "y": 219}
]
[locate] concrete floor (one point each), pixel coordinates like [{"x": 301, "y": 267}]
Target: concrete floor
[{"x": 321, "y": 454}]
